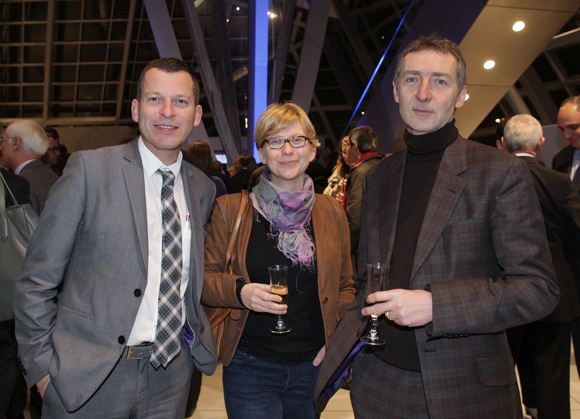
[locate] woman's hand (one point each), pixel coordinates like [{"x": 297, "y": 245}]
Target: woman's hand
[
  {"x": 319, "y": 356},
  {"x": 257, "y": 298}
]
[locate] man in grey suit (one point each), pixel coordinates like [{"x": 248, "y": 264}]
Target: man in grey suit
[
  {"x": 127, "y": 225},
  {"x": 23, "y": 144}
]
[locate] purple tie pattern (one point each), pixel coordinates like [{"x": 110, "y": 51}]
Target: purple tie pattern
[{"x": 168, "y": 337}]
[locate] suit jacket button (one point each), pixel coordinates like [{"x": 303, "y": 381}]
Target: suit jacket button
[
  {"x": 325, "y": 300},
  {"x": 121, "y": 339},
  {"x": 137, "y": 293},
  {"x": 357, "y": 332},
  {"x": 329, "y": 334}
]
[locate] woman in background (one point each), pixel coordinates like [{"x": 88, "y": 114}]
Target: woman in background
[
  {"x": 267, "y": 375},
  {"x": 340, "y": 172},
  {"x": 202, "y": 151}
]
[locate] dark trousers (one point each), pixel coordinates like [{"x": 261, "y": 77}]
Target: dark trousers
[
  {"x": 9, "y": 371},
  {"x": 544, "y": 368},
  {"x": 402, "y": 398}
]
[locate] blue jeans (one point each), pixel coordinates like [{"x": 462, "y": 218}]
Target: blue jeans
[{"x": 256, "y": 389}]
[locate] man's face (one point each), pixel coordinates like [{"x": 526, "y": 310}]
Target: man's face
[
  {"x": 427, "y": 91},
  {"x": 166, "y": 112},
  {"x": 569, "y": 124},
  {"x": 352, "y": 155},
  {"x": 52, "y": 153},
  {"x": 6, "y": 151},
  {"x": 238, "y": 164}
]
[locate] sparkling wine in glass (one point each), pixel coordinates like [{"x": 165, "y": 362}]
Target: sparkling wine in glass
[
  {"x": 279, "y": 286},
  {"x": 377, "y": 274}
]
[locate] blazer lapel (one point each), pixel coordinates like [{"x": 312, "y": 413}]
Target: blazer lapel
[
  {"x": 133, "y": 175},
  {"x": 197, "y": 233},
  {"x": 444, "y": 197},
  {"x": 389, "y": 198}
]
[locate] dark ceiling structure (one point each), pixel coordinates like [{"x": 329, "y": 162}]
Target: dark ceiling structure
[{"x": 76, "y": 62}]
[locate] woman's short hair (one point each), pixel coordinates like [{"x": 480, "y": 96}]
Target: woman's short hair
[{"x": 280, "y": 116}]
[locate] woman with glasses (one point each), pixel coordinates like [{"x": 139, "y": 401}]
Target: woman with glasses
[{"x": 269, "y": 375}]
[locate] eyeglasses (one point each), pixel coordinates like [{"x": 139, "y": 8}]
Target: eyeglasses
[
  {"x": 7, "y": 139},
  {"x": 277, "y": 143}
]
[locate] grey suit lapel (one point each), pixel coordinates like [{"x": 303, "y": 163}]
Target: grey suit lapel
[
  {"x": 444, "y": 197},
  {"x": 197, "y": 234},
  {"x": 133, "y": 175}
]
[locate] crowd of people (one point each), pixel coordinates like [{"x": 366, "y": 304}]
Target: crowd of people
[{"x": 135, "y": 239}]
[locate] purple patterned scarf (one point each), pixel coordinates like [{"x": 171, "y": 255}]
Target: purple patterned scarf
[{"x": 288, "y": 213}]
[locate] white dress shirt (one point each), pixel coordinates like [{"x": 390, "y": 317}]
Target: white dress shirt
[
  {"x": 575, "y": 163},
  {"x": 145, "y": 325}
]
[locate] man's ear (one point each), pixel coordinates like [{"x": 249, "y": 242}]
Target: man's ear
[
  {"x": 540, "y": 145},
  {"x": 135, "y": 110},
  {"x": 395, "y": 92},
  {"x": 501, "y": 144}
]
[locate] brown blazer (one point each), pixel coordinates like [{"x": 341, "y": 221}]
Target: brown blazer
[
  {"x": 335, "y": 280},
  {"x": 483, "y": 254}
]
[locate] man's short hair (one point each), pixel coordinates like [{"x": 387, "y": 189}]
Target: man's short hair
[
  {"x": 31, "y": 134},
  {"x": 51, "y": 132},
  {"x": 168, "y": 65},
  {"x": 575, "y": 100},
  {"x": 438, "y": 44},
  {"x": 248, "y": 160},
  {"x": 280, "y": 116},
  {"x": 365, "y": 138},
  {"x": 522, "y": 132}
]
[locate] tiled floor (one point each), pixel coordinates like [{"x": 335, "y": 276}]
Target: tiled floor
[{"x": 211, "y": 401}]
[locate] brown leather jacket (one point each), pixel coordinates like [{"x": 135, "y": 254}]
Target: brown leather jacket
[{"x": 335, "y": 282}]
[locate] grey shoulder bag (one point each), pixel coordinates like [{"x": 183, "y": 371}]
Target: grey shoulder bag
[{"x": 17, "y": 223}]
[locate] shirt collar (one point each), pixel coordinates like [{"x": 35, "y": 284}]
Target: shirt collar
[
  {"x": 151, "y": 162},
  {"x": 523, "y": 153}
]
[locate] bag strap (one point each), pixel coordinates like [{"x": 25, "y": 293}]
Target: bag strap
[
  {"x": 237, "y": 224},
  {"x": 7, "y": 188}
]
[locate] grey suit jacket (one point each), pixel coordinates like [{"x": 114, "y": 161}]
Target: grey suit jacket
[
  {"x": 41, "y": 180},
  {"x": 94, "y": 227},
  {"x": 483, "y": 254}
]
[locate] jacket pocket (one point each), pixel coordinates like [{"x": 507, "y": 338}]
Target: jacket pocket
[{"x": 497, "y": 371}]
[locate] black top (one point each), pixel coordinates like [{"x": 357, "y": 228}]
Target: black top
[
  {"x": 424, "y": 154},
  {"x": 304, "y": 315}
]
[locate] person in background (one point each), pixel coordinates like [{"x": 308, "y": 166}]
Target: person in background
[
  {"x": 202, "y": 151},
  {"x": 268, "y": 375},
  {"x": 62, "y": 153},
  {"x": 543, "y": 359},
  {"x": 340, "y": 172},
  {"x": 238, "y": 178},
  {"x": 23, "y": 144}
]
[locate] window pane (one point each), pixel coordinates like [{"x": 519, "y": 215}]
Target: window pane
[
  {"x": 94, "y": 52},
  {"x": 65, "y": 73},
  {"x": 93, "y": 31},
  {"x": 33, "y": 74},
  {"x": 65, "y": 93},
  {"x": 68, "y": 10},
  {"x": 32, "y": 93},
  {"x": 91, "y": 72},
  {"x": 67, "y": 32},
  {"x": 89, "y": 92},
  {"x": 34, "y": 54},
  {"x": 67, "y": 53}
]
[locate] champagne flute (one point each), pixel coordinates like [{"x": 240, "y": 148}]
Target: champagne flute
[
  {"x": 279, "y": 286},
  {"x": 377, "y": 274}
]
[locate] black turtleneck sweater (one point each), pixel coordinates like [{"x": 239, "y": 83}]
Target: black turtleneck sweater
[{"x": 424, "y": 154}]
